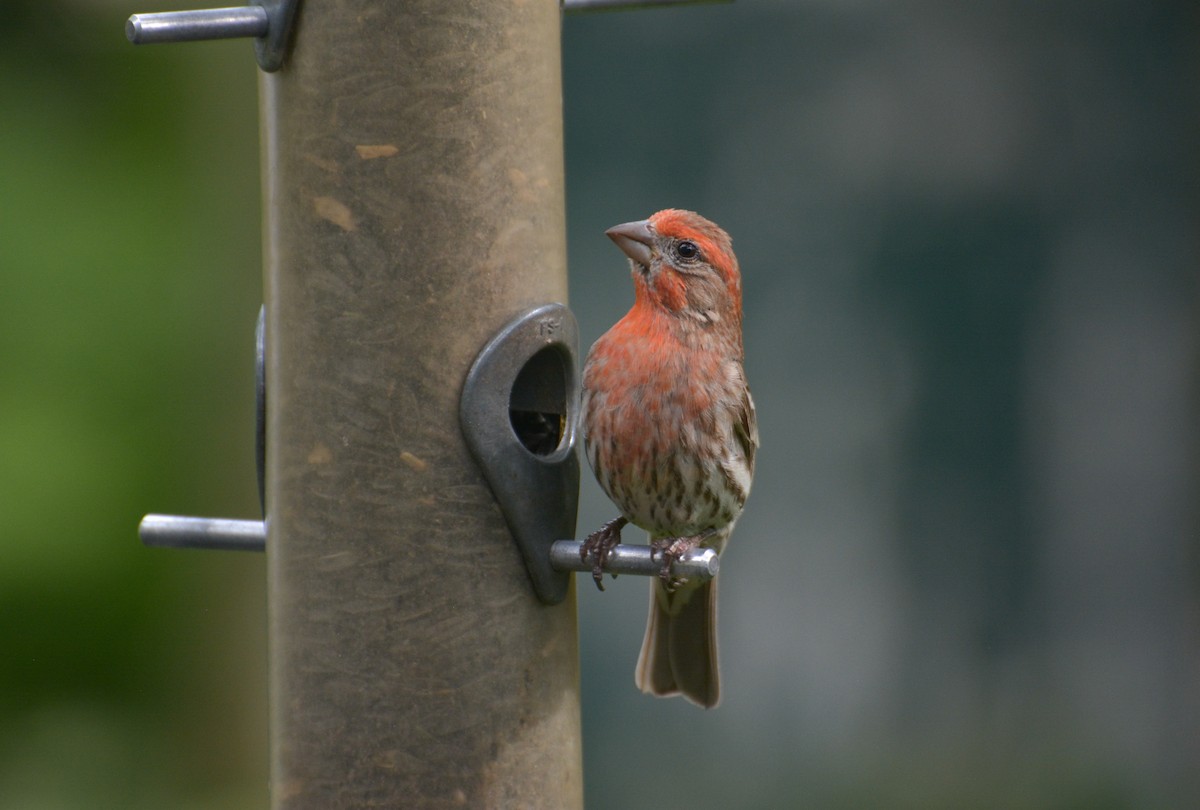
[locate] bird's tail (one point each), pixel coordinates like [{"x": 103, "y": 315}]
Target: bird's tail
[{"x": 679, "y": 653}]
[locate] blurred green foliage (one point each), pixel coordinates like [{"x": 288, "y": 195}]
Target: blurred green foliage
[{"x": 128, "y": 263}]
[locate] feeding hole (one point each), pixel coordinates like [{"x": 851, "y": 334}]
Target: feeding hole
[{"x": 537, "y": 404}]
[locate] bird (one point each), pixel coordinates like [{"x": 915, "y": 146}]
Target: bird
[{"x": 670, "y": 432}]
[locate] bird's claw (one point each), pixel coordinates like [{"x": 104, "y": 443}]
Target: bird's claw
[
  {"x": 599, "y": 545},
  {"x": 671, "y": 549}
]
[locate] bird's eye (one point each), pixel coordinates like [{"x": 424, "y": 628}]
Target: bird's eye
[{"x": 687, "y": 250}]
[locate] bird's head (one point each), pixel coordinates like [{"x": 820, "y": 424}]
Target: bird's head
[{"x": 684, "y": 265}]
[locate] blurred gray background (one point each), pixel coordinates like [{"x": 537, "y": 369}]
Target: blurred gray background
[{"x": 967, "y": 574}]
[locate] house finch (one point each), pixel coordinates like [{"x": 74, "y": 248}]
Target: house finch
[{"x": 670, "y": 432}]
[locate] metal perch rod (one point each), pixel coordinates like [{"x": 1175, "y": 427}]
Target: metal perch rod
[
  {"x": 224, "y": 534},
  {"x": 697, "y": 565},
  {"x": 185, "y": 26}
]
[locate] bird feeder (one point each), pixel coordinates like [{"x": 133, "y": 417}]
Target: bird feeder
[{"x": 418, "y": 394}]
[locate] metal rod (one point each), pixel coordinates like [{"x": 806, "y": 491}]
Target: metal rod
[
  {"x": 699, "y": 565},
  {"x": 226, "y": 534},
  {"x": 576, "y": 6},
  {"x": 223, "y": 534},
  {"x": 189, "y": 26}
]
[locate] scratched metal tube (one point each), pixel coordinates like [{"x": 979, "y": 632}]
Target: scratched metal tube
[
  {"x": 191, "y": 26},
  {"x": 695, "y": 566}
]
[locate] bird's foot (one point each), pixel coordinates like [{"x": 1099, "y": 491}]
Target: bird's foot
[
  {"x": 599, "y": 544},
  {"x": 671, "y": 549}
]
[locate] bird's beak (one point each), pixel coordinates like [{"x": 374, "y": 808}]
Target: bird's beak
[{"x": 634, "y": 240}]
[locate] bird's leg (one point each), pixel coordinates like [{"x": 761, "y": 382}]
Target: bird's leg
[
  {"x": 671, "y": 549},
  {"x": 600, "y": 544}
]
